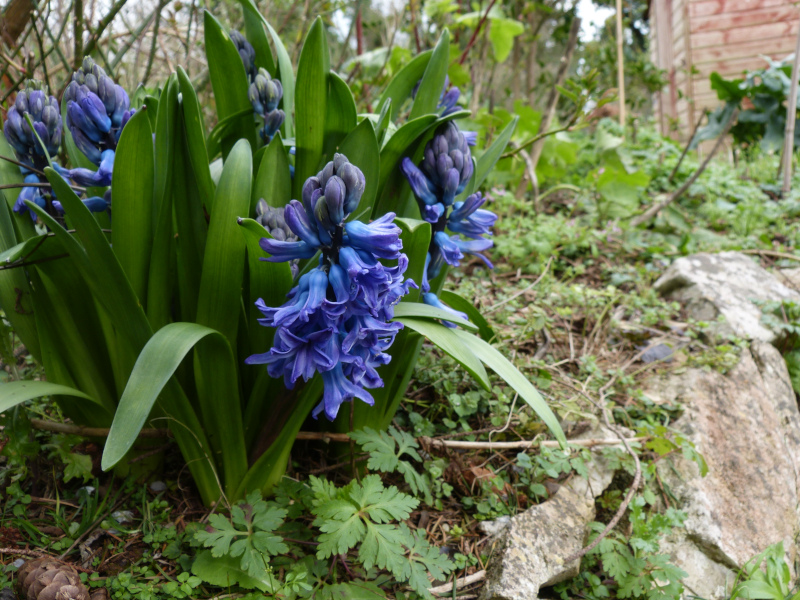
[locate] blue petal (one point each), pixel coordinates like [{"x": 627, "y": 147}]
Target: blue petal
[
  {"x": 338, "y": 389},
  {"x": 380, "y": 238},
  {"x": 284, "y": 251},
  {"x": 419, "y": 183},
  {"x": 297, "y": 220}
]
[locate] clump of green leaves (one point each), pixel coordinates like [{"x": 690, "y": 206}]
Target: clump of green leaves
[
  {"x": 635, "y": 564},
  {"x": 361, "y": 514},
  {"x": 763, "y": 120},
  {"x": 766, "y": 575},
  {"x": 360, "y": 525},
  {"x": 387, "y": 449}
]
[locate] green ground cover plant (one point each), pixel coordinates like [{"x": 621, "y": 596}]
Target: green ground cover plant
[{"x": 132, "y": 309}]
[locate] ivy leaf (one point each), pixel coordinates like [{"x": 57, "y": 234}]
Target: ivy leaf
[{"x": 501, "y": 35}]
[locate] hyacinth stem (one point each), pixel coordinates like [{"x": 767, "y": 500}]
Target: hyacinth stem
[{"x": 270, "y": 467}]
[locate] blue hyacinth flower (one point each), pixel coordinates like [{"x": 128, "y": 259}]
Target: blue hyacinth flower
[{"x": 336, "y": 319}]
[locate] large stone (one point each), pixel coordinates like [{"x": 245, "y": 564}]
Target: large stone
[
  {"x": 709, "y": 285},
  {"x": 537, "y": 542},
  {"x": 746, "y": 425}
]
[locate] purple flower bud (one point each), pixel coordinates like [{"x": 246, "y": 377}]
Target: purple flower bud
[
  {"x": 298, "y": 222},
  {"x": 94, "y": 110},
  {"x": 354, "y": 183},
  {"x": 380, "y": 238},
  {"x": 246, "y": 52},
  {"x": 335, "y": 193},
  {"x": 34, "y": 103}
]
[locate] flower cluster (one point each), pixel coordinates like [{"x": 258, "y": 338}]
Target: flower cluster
[
  {"x": 443, "y": 174},
  {"x": 246, "y": 52},
  {"x": 34, "y": 103},
  {"x": 272, "y": 219},
  {"x": 265, "y": 93},
  {"x": 97, "y": 110},
  {"x": 336, "y": 321}
]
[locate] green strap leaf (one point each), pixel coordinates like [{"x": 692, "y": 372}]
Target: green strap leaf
[
  {"x": 154, "y": 368},
  {"x": 229, "y": 81},
  {"x": 361, "y": 148},
  {"x": 162, "y": 261},
  {"x": 450, "y": 342},
  {"x": 503, "y": 367},
  {"x": 10, "y": 173},
  {"x": 341, "y": 117},
  {"x": 195, "y": 139},
  {"x": 310, "y": 108},
  {"x": 416, "y": 237},
  {"x": 269, "y": 468},
  {"x": 402, "y": 84},
  {"x": 15, "y": 289},
  {"x": 133, "y": 183},
  {"x": 455, "y": 301},
  {"x": 274, "y": 181},
  {"x": 17, "y": 392},
  {"x": 223, "y": 262},
  {"x": 432, "y": 84},
  {"x": 268, "y": 281},
  {"x": 416, "y": 309},
  {"x": 257, "y": 36},
  {"x": 492, "y": 154}
]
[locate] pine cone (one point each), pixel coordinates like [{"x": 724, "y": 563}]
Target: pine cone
[{"x": 48, "y": 579}]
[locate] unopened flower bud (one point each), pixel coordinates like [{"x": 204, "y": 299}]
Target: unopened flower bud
[{"x": 246, "y": 52}]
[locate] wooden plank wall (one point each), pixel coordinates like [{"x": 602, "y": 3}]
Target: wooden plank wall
[{"x": 726, "y": 36}]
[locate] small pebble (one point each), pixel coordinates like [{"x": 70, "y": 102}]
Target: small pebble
[
  {"x": 122, "y": 516},
  {"x": 495, "y": 527},
  {"x": 19, "y": 562},
  {"x": 158, "y": 486}
]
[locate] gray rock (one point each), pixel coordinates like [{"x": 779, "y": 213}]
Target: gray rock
[
  {"x": 537, "y": 542},
  {"x": 496, "y": 527},
  {"x": 747, "y": 427},
  {"x": 725, "y": 284}
]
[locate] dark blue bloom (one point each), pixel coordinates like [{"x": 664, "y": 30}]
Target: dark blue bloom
[
  {"x": 46, "y": 118},
  {"x": 265, "y": 93},
  {"x": 469, "y": 219},
  {"x": 246, "y": 52},
  {"x": 443, "y": 174},
  {"x": 336, "y": 319},
  {"x": 33, "y": 141},
  {"x": 97, "y": 111}
]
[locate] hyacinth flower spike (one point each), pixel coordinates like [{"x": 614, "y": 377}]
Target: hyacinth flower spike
[
  {"x": 33, "y": 107},
  {"x": 265, "y": 93},
  {"x": 336, "y": 319},
  {"x": 97, "y": 110},
  {"x": 442, "y": 175},
  {"x": 246, "y": 52}
]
